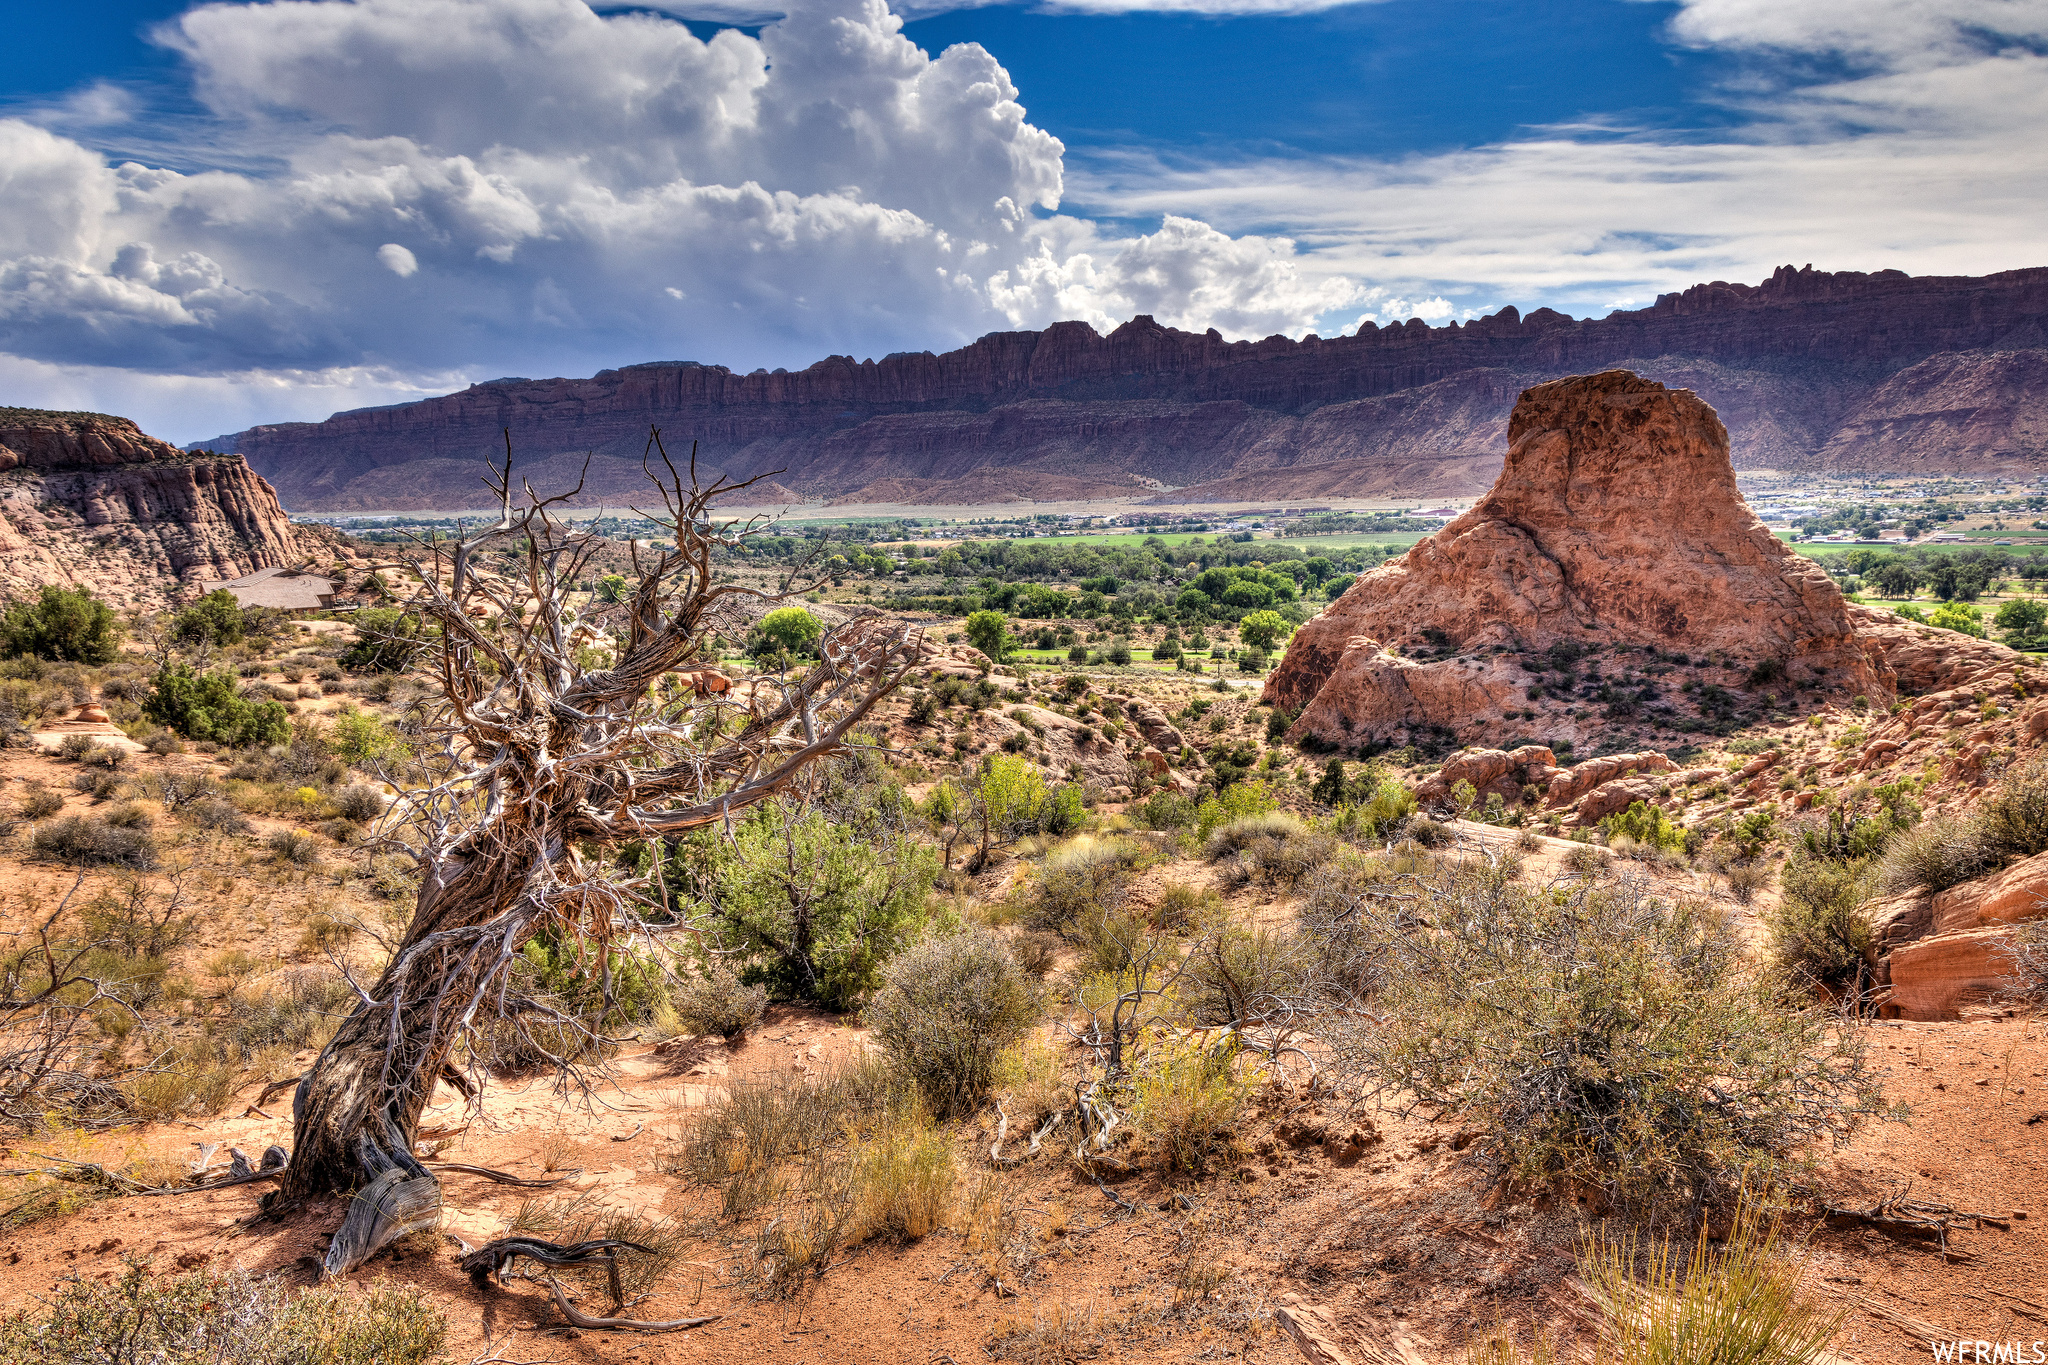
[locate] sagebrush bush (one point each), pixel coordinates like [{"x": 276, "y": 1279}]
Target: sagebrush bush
[
  {"x": 1820, "y": 940},
  {"x": 359, "y": 802},
  {"x": 2027, "y": 950},
  {"x": 1246, "y": 977},
  {"x": 295, "y": 847},
  {"x": 1937, "y": 854},
  {"x": 2012, "y": 822},
  {"x": 1599, "y": 1037},
  {"x": 1181, "y": 907},
  {"x": 212, "y": 1317},
  {"x": 947, "y": 1009},
  {"x": 1082, "y": 877},
  {"x": 89, "y": 841},
  {"x": 40, "y": 803},
  {"x": 1238, "y": 834},
  {"x": 717, "y": 1002}
]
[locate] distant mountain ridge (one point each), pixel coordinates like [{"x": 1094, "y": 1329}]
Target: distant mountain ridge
[{"x": 1810, "y": 370}]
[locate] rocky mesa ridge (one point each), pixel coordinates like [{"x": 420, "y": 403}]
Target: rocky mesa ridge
[
  {"x": 1810, "y": 369},
  {"x": 92, "y": 500}
]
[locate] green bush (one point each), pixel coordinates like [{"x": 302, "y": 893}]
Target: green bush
[
  {"x": 1644, "y": 824},
  {"x": 1739, "y": 1300},
  {"x": 947, "y": 1009},
  {"x": 208, "y": 706},
  {"x": 1165, "y": 810},
  {"x": 1819, "y": 938},
  {"x": 2013, "y": 819},
  {"x": 1937, "y": 854},
  {"x": 212, "y": 1317},
  {"x": 1598, "y": 1037},
  {"x": 387, "y": 640},
  {"x": 792, "y": 630},
  {"x": 1234, "y": 802},
  {"x": 1079, "y": 879},
  {"x": 823, "y": 903},
  {"x": 65, "y": 624}
]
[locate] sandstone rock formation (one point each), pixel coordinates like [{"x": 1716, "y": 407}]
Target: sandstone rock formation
[
  {"x": 1615, "y": 524},
  {"x": 1912, "y": 363},
  {"x": 90, "y": 499},
  {"x": 1935, "y": 977}
]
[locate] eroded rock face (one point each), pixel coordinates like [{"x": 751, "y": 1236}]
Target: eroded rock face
[
  {"x": 1935, "y": 977},
  {"x": 92, "y": 500},
  {"x": 1615, "y": 521}
]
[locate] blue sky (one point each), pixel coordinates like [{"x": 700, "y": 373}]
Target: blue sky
[{"x": 213, "y": 216}]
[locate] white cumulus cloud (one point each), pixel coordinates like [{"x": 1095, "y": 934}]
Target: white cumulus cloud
[{"x": 527, "y": 186}]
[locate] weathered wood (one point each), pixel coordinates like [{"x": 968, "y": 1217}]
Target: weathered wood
[
  {"x": 394, "y": 1204},
  {"x": 495, "y": 1258},
  {"x": 588, "y": 1322}
]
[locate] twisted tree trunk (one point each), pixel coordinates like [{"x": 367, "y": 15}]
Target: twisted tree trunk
[{"x": 357, "y": 1111}]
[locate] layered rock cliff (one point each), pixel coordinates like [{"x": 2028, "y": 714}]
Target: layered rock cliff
[
  {"x": 1796, "y": 365},
  {"x": 90, "y": 499}
]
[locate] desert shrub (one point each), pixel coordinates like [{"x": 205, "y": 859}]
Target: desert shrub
[
  {"x": 294, "y": 847},
  {"x": 1646, "y": 825},
  {"x": 1600, "y": 1038},
  {"x": 98, "y": 783},
  {"x": 1186, "y": 1101},
  {"x": 359, "y": 802},
  {"x": 1247, "y": 977},
  {"x": 1165, "y": 810},
  {"x": 1937, "y": 854},
  {"x": 40, "y": 803},
  {"x": 823, "y": 903},
  {"x": 1234, "y": 802},
  {"x": 387, "y": 640},
  {"x": 209, "y": 706},
  {"x": 2013, "y": 819},
  {"x": 67, "y": 624},
  {"x": 1427, "y": 832},
  {"x": 1341, "y": 923},
  {"x": 1746, "y": 877},
  {"x": 92, "y": 842},
  {"x": 1819, "y": 937},
  {"x": 717, "y": 1002},
  {"x": 1239, "y": 833},
  {"x": 216, "y": 813},
  {"x": 1285, "y": 862},
  {"x": 298, "y": 1011},
  {"x": 946, "y": 1009},
  {"x": 902, "y": 1180},
  {"x": 164, "y": 742},
  {"x": 215, "y": 619},
  {"x": 211, "y": 1317},
  {"x": 1736, "y": 1300},
  {"x": 192, "y": 1076},
  {"x": 1036, "y": 951},
  {"x": 2027, "y": 950},
  {"x": 1082, "y": 877},
  {"x": 1181, "y": 907}
]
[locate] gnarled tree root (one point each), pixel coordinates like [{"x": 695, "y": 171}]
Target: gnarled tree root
[
  {"x": 626, "y": 1324},
  {"x": 494, "y": 1258}
]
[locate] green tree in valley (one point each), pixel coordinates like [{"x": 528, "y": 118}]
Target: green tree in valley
[
  {"x": 1263, "y": 629},
  {"x": 988, "y": 632}
]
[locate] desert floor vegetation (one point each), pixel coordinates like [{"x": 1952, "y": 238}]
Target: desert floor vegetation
[{"x": 954, "y": 1046}]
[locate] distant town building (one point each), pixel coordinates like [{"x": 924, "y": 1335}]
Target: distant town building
[{"x": 282, "y": 588}]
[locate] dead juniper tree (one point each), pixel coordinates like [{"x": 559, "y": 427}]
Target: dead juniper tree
[{"x": 554, "y": 731}]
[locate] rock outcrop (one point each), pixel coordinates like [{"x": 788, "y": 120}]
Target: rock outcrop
[
  {"x": 1910, "y": 363},
  {"x": 1615, "y": 525},
  {"x": 92, "y": 500}
]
